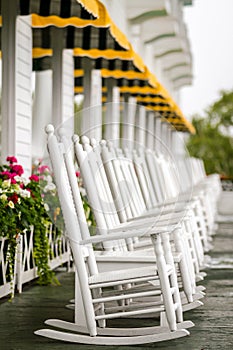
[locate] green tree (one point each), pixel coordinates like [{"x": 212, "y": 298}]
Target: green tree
[{"x": 213, "y": 141}]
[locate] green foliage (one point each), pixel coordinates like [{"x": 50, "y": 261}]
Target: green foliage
[
  {"x": 221, "y": 112},
  {"x": 33, "y": 203},
  {"x": 213, "y": 142},
  {"x": 21, "y": 208}
]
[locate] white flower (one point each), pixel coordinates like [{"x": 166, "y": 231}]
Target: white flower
[
  {"x": 49, "y": 187},
  {"x": 3, "y": 197},
  {"x": 11, "y": 204},
  {"x": 22, "y": 179},
  {"x": 48, "y": 178},
  {"x": 83, "y": 191},
  {"x": 24, "y": 193},
  {"x": 16, "y": 188},
  {"x": 46, "y": 206},
  {"x": 6, "y": 183}
]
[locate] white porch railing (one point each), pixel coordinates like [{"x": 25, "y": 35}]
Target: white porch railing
[
  {"x": 6, "y": 284},
  {"x": 25, "y": 269}
]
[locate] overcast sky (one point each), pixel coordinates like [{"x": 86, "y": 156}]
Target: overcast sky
[{"x": 210, "y": 30}]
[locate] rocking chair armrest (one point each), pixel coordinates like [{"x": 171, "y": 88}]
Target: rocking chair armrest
[{"x": 123, "y": 235}]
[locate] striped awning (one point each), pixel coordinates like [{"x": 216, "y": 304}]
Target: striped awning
[{"x": 89, "y": 31}]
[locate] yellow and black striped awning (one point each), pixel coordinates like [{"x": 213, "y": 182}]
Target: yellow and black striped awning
[{"x": 90, "y": 32}]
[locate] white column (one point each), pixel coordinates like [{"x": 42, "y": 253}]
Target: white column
[
  {"x": 68, "y": 91},
  {"x": 169, "y": 137},
  {"x": 112, "y": 116},
  {"x": 150, "y": 130},
  {"x": 42, "y": 111},
  {"x": 63, "y": 83},
  {"x": 57, "y": 98},
  {"x": 86, "y": 118},
  {"x": 91, "y": 123},
  {"x": 164, "y": 137},
  {"x": 140, "y": 130},
  {"x": 128, "y": 123},
  {"x": 158, "y": 136},
  {"x": 96, "y": 104}
]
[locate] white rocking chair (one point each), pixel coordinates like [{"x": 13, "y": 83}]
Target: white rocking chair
[{"x": 105, "y": 296}]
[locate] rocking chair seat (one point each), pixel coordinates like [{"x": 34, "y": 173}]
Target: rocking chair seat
[{"x": 126, "y": 275}]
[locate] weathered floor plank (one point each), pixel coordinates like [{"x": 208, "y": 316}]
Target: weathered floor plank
[{"x": 213, "y": 322}]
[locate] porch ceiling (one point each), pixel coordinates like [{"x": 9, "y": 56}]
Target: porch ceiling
[{"x": 139, "y": 11}]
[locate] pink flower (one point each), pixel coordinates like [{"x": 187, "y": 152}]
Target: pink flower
[
  {"x": 77, "y": 173},
  {"x": 43, "y": 168},
  {"x": 8, "y": 175},
  {"x": 18, "y": 169},
  {"x": 34, "y": 178},
  {"x": 11, "y": 159}
]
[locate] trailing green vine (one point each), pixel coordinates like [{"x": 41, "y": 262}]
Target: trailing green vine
[
  {"x": 30, "y": 206},
  {"x": 21, "y": 208}
]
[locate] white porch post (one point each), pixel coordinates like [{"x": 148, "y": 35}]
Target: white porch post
[
  {"x": 96, "y": 104},
  {"x": 112, "y": 116},
  {"x": 164, "y": 137},
  {"x": 178, "y": 143},
  {"x": 91, "y": 124},
  {"x": 42, "y": 111},
  {"x": 140, "y": 130},
  {"x": 86, "y": 117},
  {"x": 158, "y": 138},
  {"x": 128, "y": 122},
  {"x": 57, "y": 76},
  {"x": 16, "y": 85},
  {"x": 169, "y": 137},
  {"x": 68, "y": 90},
  {"x": 63, "y": 83},
  {"x": 150, "y": 130}
]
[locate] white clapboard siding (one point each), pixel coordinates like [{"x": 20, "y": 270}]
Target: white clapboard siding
[
  {"x": 23, "y": 124},
  {"x": 68, "y": 90}
]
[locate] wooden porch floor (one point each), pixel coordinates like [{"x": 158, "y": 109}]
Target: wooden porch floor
[{"x": 213, "y": 322}]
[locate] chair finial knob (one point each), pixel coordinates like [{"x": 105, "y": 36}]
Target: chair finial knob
[
  {"x": 75, "y": 138},
  {"x": 103, "y": 143},
  {"x": 85, "y": 140},
  {"x": 49, "y": 129}
]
